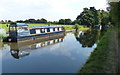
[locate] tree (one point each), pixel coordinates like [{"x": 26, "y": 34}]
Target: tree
[
  {"x": 65, "y": 21},
  {"x": 31, "y": 20},
  {"x": 55, "y": 22},
  {"x": 86, "y": 17},
  {"x": 91, "y": 17},
  {"x": 61, "y": 21},
  {"x": 105, "y": 17},
  {"x": 38, "y": 21},
  {"x": 76, "y": 27},
  {"x": 20, "y": 21},
  {"x": 2, "y": 22},
  {"x": 74, "y": 22},
  {"x": 68, "y": 21},
  {"x": 43, "y": 20}
]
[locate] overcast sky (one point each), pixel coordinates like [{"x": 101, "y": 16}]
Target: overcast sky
[{"x": 52, "y": 10}]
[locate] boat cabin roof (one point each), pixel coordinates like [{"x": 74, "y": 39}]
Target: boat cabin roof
[
  {"x": 32, "y": 27},
  {"x": 18, "y": 25},
  {"x": 37, "y": 27}
]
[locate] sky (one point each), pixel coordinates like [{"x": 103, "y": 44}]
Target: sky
[{"x": 52, "y": 10}]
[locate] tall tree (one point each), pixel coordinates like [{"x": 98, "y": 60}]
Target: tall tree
[
  {"x": 38, "y": 21},
  {"x": 31, "y": 20},
  {"x": 61, "y": 21},
  {"x": 43, "y": 20},
  {"x": 68, "y": 21},
  {"x": 91, "y": 17},
  {"x": 86, "y": 17}
]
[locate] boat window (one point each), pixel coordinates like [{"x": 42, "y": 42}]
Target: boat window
[
  {"x": 37, "y": 31},
  {"x": 38, "y": 45},
  {"x": 25, "y": 29},
  {"x": 12, "y": 28},
  {"x": 45, "y": 30},
  {"x": 56, "y": 40},
  {"x": 56, "y": 29},
  {"x": 32, "y": 31},
  {"x": 60, "y": 29},
  {"x": 51, "y": 42},
  {"x": 21, "y": 29},
  {"x": 51, "y": 29},
  {"x": 42, "y": 30},
  {"x": 48, "y": 43},
  {"x": 60, "y": 40},
  {"x": 48, "y": 29}
]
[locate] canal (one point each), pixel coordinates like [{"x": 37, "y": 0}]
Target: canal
[{"x": 64, "y": 54}]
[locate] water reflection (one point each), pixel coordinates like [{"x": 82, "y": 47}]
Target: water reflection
[
  {"x": 62, "y": 54},
  {"x": 88, "y": 37},
  {"x": 19, "y": 50}
]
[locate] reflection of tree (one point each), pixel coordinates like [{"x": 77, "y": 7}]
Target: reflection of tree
[
  {"x": 87, "y": 38},
  {"x": 2, "y": 45}
]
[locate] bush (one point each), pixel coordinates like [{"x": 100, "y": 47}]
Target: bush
[{"x": 2, "y": 32}]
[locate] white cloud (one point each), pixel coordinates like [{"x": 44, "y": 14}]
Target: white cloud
[{"x": 49, "y": 9}]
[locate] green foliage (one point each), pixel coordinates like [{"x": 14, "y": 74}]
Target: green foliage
[
  {"x": 65, "y": 21},
  {"x": 89, "y": 38},
  {"x": 42, "y": 20},
  {"x": 76, "y": 27},
  {"x": 105, "y": 58},
  {"x": 92, "y": 17},
  {"x": 115, "y": 13},
  {"x": 2, "y": 32},
  {"x": 61, "y": 21}
]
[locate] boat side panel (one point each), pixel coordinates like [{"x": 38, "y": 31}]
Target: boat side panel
[{"x": 40, "y": 36}]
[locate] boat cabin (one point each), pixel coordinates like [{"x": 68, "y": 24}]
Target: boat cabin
[
  {"x": 19, "y": 30},
  {"x": 14, "y": 28}
]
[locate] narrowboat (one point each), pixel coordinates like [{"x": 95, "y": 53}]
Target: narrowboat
[{"x": 21, "y": 32}]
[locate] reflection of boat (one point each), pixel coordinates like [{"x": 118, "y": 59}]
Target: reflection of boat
[
  {"x": 21, "y": 49},
  {"x": 21, "y": 32},
  {"x": 17, "y": 54}
]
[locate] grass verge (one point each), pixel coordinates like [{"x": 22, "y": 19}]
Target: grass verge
[{"x": 103, "y": 58}]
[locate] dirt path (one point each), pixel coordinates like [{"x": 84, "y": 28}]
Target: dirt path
[{"x": 115, "y": 42}]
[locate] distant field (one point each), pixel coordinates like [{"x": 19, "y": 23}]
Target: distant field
[
  {"x": 4, "y": 26},
  {"x": 67, "y": 27}
]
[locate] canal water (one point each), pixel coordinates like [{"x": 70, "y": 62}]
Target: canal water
[{"x": 65, "y": 54}]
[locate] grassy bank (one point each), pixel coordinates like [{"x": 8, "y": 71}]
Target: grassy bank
[{"x": 103, "y": 58}]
